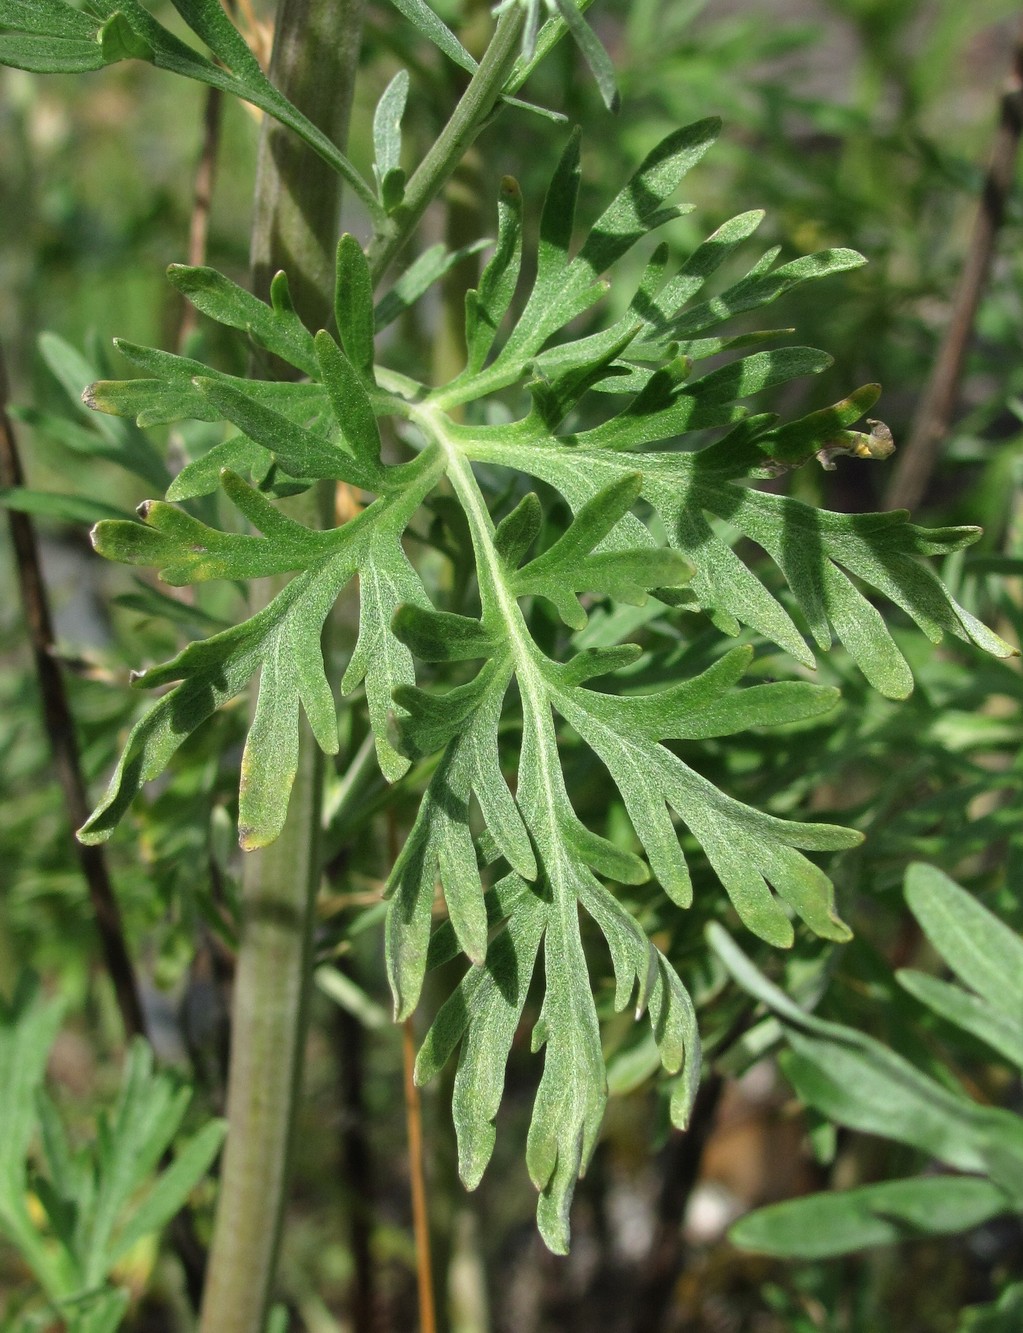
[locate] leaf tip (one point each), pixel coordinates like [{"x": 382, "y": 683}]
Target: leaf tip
[
  {"x": 250, "y": 839},
  {"x": 89, "y": 836}
]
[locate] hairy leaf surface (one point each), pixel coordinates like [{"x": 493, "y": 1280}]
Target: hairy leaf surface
[{"x": 475, "y": 689}]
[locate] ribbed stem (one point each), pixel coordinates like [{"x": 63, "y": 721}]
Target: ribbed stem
[
  {"x": 298, "y": 198},
  {"x": 268, "y": 1035},
  {"x": 316, "y": 50}
]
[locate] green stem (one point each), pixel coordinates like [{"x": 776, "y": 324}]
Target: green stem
[
  {"x": 468, "y": 119},
  {"x": 266, "y": 1062},
  {"x": 295, "y": 227}
]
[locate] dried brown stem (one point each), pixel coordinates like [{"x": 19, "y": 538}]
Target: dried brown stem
[
  {"x": 60, "y": 730},
  {"x": 933, "y": 417}
]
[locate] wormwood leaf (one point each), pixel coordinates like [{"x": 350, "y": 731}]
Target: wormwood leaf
[
  {"x": 353, "y": 307},
  {"x": 418, "y": 278},
  {"x": 816, "y": 550},
  {"x": 184, "y": 550},
  {"x": 387, "y": 141},
  {"x": 387, "y": 580},
  {"x": 564, "y": 288},
  {"x": 283, "y": 637},
  {"x": 571, "y": 566},
  {"x": 436, "y": 31},
  {"x": 117, "y": 441},
  {"x": 655, "y": 512},
  {"x": 169, "y": 393},
  {"x": 276, "y": 328},
  {"x": 855, "y": 1081},
  {"x": 825, "y": 1225},
  {"x": 440, "y": 845},
  {"x": 487, "y": 305}
]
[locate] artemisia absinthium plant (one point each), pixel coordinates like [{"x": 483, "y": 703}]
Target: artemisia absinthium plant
[{"x": 655, "y": 511}]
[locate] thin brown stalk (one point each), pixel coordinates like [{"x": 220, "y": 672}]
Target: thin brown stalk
[
  {"x": 202, "y": 200},
  {"x": 930, "y": 428},
  {"x": 60, "y": 730},
  {"x": 417, "y": 1174}
]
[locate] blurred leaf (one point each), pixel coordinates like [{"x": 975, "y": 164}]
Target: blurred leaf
[
  {"x": 66, "y": 508},
  {"x": 823, "y": 1226}
]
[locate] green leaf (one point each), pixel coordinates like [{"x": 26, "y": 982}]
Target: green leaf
[
  {"x": 387, "y": 580},
  {"x": 652, "y": 507},
  {"x": 48, "y": 18},
  {"x": 387, "y": 140},
  {"x": 635, "y": 209},
  {"x": 483, "y": 1014},
  {"x": 202, "y": 476},
  {"x": 487, "y": 305},
  {"x": 283, "y": 640},
  {"x": 167, "y": 1196},
  {"x": 349, "y": 400},
  {"x": 47, "y": 504},
  {"x": 422, "y": 17},
  {"x": 440, "y": 844},
  {"x": 748, "y": 850},
  {"x": 570, "y": 1100},
  {"x": 28, "y": 1027},
  {"x": 43, "y": 54},
  {"x": 980, "y": 950},
  {"x": 117, "y": 441},
  {"x": 172, "y": 394},
  {"x": 593, "y": 52},
  {"x": 208, "y": 20},
  {"x": 418, "y": 278},
  {"x": 119, "y": 41},
  {"x": 857, "y": 1082},
  {"x": 275, "y": 327},
  {"x": 571, "y": 566},
  {"x": 996, "y": 1027},
  {"x": 353, "y": 305},
  {"x": 813, "y": 548},
  {"x": 128, "y": 1148},
  {"x": 760, "y": 288},
  {"x": 440, "y": 636},
  {"x": 563, "y": 288},
  {"x": 823, "y": 1226},
  {"x": 184, "y": 550}
]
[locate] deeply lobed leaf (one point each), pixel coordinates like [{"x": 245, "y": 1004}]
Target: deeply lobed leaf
[{"x": 651, "y": 517}]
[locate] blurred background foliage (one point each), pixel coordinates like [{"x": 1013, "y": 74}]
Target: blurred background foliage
[{"x": 862, "y": 123}]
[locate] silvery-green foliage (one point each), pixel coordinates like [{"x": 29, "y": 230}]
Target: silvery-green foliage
[
  {"x": 853, "y": 1080},
  {"x": 93, "y": 1202},
  {"x": 655, "y": 513}
]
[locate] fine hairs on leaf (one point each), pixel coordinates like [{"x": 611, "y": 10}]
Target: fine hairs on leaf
[{"x": 645, "y": 466}]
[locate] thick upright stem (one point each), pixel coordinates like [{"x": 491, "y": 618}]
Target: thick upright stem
[
  {"x": 295, "y": 225},
  {"x": 266, "y": 1063}
]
